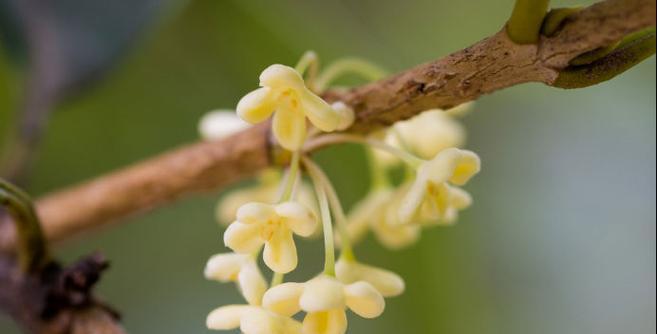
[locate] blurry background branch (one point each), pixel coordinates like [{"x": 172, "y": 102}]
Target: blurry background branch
[
  {"x": 64, "y": 47},
  {"x": 60, "y": 49},
  {"x": 491, "y": 64}
]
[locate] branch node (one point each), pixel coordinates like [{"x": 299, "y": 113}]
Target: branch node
[
  {"x": 32, "y": 249},
  {"x": 524, "y": 26},
  {"x": 630, "y": 51},
  {"x": 555, "y": 20},
  {"x": 71, "y": 287}
]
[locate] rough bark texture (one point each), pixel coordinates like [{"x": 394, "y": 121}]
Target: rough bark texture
[{"x": 491, "y": 64}]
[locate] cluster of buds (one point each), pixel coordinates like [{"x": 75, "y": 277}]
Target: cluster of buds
[{"x": 264, "y": 220}]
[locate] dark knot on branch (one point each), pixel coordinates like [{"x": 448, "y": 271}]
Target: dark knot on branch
[{"x": 72, "y": 287}]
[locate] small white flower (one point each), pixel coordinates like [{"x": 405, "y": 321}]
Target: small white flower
[
  {"x": 251, "y": 320},
  {"x": 431, "y": 186},
  {"x": 218, "y": 124},
  {"x": 284, "y": 93},
  {"x": 386, "y": 282},
  {"x": 325, "y": 299},
  {"x": 273, "y": 226},
  {"x": 239, "y": 268}
]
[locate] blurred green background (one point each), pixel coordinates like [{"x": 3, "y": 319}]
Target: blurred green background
[{"x": 561, "y": 238}]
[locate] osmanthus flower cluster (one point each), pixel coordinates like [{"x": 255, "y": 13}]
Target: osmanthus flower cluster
[{"x": 266, "y": 218}]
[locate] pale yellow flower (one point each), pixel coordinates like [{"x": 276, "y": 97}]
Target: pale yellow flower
[
  {"x": 228, "y": 205},
  {"x": 384, "y": 159},
  {"x": 423, "y": 135},
  {"x": 266, "y": 190},
  {"x": 378, "y": 212},
  {"x": 273, "y": 226},
  {"x": 456, "y": 200},
  {"x": 388, "y": 283},
  {"x": 427, "y": 133},
  {"x": 431, "y": 191},
  {"x": 252, "y": 320},
  {"x": 218, "y": 124},
  {"x": 284, "y": 93},
  {"x": 325, "y": 300},
  {"x": 241, "y": 269}
]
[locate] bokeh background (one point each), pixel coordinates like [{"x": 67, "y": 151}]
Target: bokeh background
[{"x": 561, "y": 238}]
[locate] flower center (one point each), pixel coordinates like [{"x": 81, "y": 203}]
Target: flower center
[
  {"x": 290, "y": 98},
  {"x": 270, "y": 227}
]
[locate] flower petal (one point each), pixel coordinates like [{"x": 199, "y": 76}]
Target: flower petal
[
  {"x": 227, "y": 317},
  {"x": 346, "y": 114},
  {"x": 396, "y": 236},
  {"x": 255, "y": 213},
  {"x": 261, "y": 321},
  {"x": 227, "y": 208},
  {"x": 292, "y": 326},
  {"x": 437, "y": 201},
  {"x": 326, "y": 322},
  {"x": 364, "y": 300},
  {"x": 280, "y": 251},
  {"x": 320, "y": 113},
  {"x": 384, "y": 159},
  {"x": 430, "y": 132},
  {"x": 322, "y": 294},
  {"x": 243, "y": 238},
  {"x": 289, "y": 126},
  {"x": 224, "y": 267},
  {"x": 386, "y": 282},
  {"x": 252, "y": 283},
  {"x": 284, "y": 298},
  {"x": 298, "y": 218},
  {"x": 220, "y": 124},
  {"x": 453, "y": 164},
  {"x": 467, "y": 166},
  {"x": 460, "y": 110},
  {"x": 280, "y": 77},
  {"x": 257, "y": 105},
  {"x": 365, "y": 212},
  {"x": 412, "y": 201},
  {"x": 459, "y": 199}
]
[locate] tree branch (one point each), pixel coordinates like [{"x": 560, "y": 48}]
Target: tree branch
[
  {"x": 36, "y": 291},
  {"x": 56, "y": 300},
  {"x": 491, "y": 64}
]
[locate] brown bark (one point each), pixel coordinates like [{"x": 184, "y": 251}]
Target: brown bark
[
  {"x": 491, "y": 64},
  {"x": 197, "y": 167}
]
